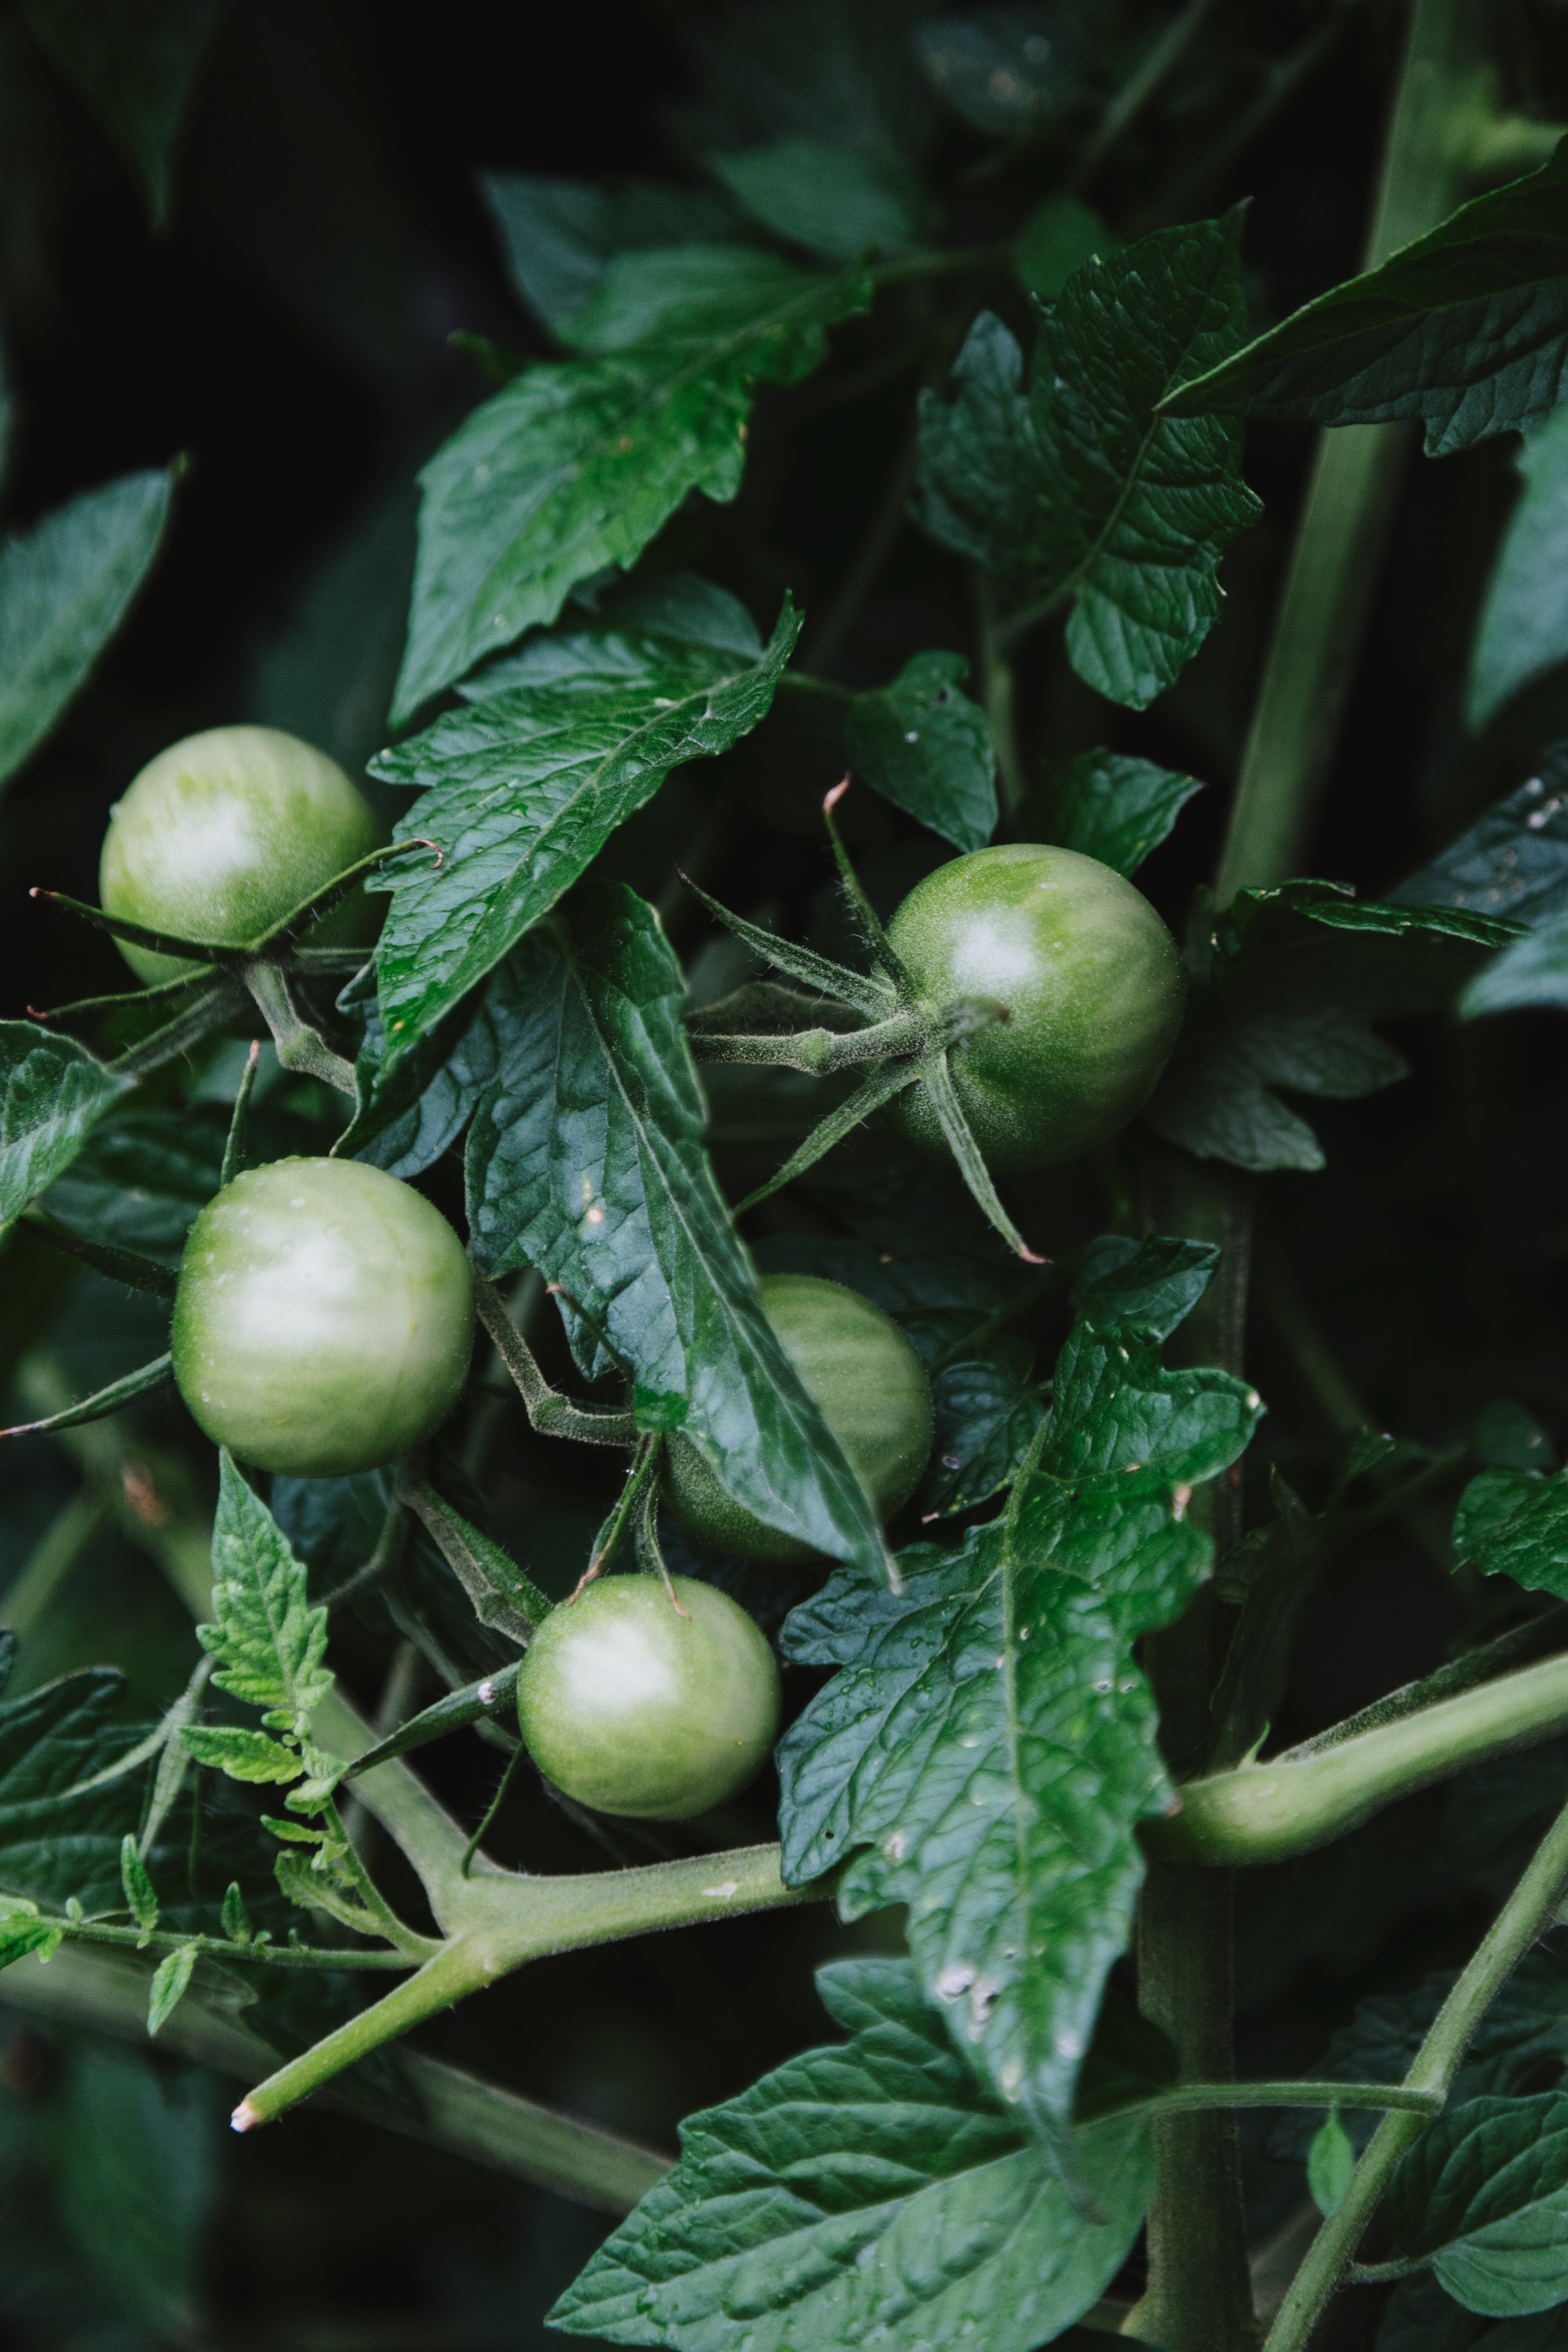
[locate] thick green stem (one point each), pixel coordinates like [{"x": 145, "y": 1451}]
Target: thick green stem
[
  {"x": 1528, "y": 1911},
  {"x": 1265, "y": 1812},
  {"x": 1350, "y": 498}
]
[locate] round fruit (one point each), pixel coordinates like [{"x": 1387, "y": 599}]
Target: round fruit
[
  {"x": 324, "y": 1318},
  {"x": 633, "y": 1708},
  {"x": 1090, "y": 983},
  {"x": 869, "y": 1387},
  {"x": 223, "y": 835}
]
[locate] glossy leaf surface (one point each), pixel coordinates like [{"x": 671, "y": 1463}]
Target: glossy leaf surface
[
  {"x": 52, "y": 1095},
  {"x": 926, "y": 747}
]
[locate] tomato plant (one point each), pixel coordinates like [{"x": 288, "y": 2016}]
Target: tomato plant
[
  {"x": 325, "y": 1318},
  {"x": 867, "y": 1382},
  {"x": 810, "y": 1313},
  {"x": 649, "y": 1700}
]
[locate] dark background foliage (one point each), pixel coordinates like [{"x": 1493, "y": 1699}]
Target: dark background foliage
[{"x": 291, "y": 334}]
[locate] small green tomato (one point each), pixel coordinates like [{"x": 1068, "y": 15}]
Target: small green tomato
[
  {"x": 325, "y": 1318},
  {"x": 634, "y": 1708},
  {"x": 869, "y": 1387},
  {"x": 224, "y": 834},
  {"x": 1088, "y": 978}
]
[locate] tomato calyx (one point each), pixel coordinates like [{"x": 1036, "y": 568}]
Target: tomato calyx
[{"x": 904, "y": 1035}]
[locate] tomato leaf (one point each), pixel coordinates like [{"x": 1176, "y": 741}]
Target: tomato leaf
[
  {"x": 927, "y": 747},
  {"x": 61, "y": 1835},
  {"x": 1483, "y": 2197},
  {"x": 140, "y": 1180},
  {"x": 809, "y": 2210},
  {"x": 576, "y": 465},
  {"x": 1147, "y": 1286},
  {"x": 988, "y": 1413},
  {"x": 52, "y": 1095},
  {"x": 586, "y": 1159},
  {"x": 1467, "y": 328},
  {"x": 1515, "y": 1523},
  {"x": 841, "y": 201},
  {"x": 523, "y": 789},
  {"x": 987, "y": 1752},
  {"x": 1523, "y": 629},
  {"x": 133, "y": 66},
  {"x": 66, "y": 586},
  {"x": 1277, "y": 1003},
  {"x": 269, "y": 1642},
  {"x": 1108, "y": 805},
  {"x": 1422, "y": 2319},
  {"x": 1074, "y": 490},
  {"x": 559, "y": 237},
  {"x": 1331, "y": 2165},
  {"x": 171, "y": 1981}
]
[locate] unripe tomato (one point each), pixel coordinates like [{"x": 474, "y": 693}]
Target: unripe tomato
[
  {"x": 870, "y": 1389},
  {"x": 324, "y": 1318},
  {"x": 633, "y": 1708},
  {"x": 222, "y": 834},
  {"x": 1090, "y": 983}
]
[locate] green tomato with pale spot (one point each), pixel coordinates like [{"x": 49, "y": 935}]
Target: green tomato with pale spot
[
  {"x": 649, "y": 1703},
  {"x": 323, "y": 1321},
  {"x": 869, "y": 1387},
  {"x": 225, "y": 833},
  {"x": 1090, "y": 988}
]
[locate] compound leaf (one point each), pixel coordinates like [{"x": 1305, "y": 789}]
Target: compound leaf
[
  {"x": 1467, "y": 328},
  {"x": 1276, "y": 1004},
  {"x": 927, "y": 747},
  {"x": 524, "y": 787},
  {"x": 52, "y": 1095},
  {"x": 1483, "y": 2197},
  {"x": 987, "y": 1751},
  {"x": 1108, "y": 805},
  {"x": 1074, "y": 491},
  {"x": 586, "y": 1159},
  {"x": 574, "y": 465},
  {"x": 866, "y": 2193},
  {"x": 269, "y": 1641},
  {"x": 66, "y": 586}
]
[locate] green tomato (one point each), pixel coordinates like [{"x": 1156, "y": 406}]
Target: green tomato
[
  {"x": 1090, "y": 982},
  {"x": 870, "y": 1389},
  {"x": 222, "y": 834},
  {"x": 634, "y": 1708},
  {"x": 324, "y": 1318}
]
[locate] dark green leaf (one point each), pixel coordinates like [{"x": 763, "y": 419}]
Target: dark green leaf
[
  {"x": 1523, "y": 629},
  {"x": 1147, "y": 1286},
  {"x": 1057, "y": 239},
  {"x": 1512, "y": 862},
  {"x": 405, "y": 1118},
  {"x": 987, "y": 1753},
  {"x": 59, "y": 1836},
  {"x": 558, "y": 237},
  {"x": 866, "y": 2194},
  {"x": 1509, "y": 1437},
  {"x": 1277, "y": 1004},
  {"x": 1074, "y": 491},
  {"x": 575, "y": 466},
  {"x": 133, "y": 66},
  {"x": 524, "y": 788},
  {"x": 66, "y": 586},
  {"x": 843, "y": 70},
  {"x": 1422, "y": 2319},
  {"x": 927, "y": 747},
  {"x": 1108, "y": 805},
  {"x": 988, "y": 1412},
  {"x": 269, "y": 1641},
  {"x": 1483, "y": 2197},
  {"x": 139, "y": 1180},
  {"x": 1467, "y": 328},
  {"x": 52, "y": 1094},
  {"x": 1007, "y": 70},
  {"x": 1534, "y": 971},
  {"x": 1515, "y": 1523},
  {"x": 842, "y": 203},
  {"x": 140, "y": 2170},
  {"x": 586, "y": 1159}
]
